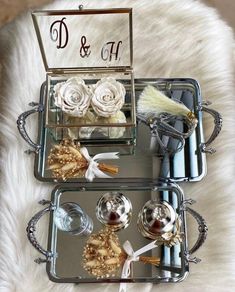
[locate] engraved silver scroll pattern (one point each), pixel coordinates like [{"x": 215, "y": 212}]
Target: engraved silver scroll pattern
[
  {"x": 31, "y": 229},
  {"x": 21, "y": 121},
  {"x": 218, "y": 121},
  {"x": 202, "y": 228}
]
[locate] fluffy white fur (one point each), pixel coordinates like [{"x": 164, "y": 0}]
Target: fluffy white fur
[
  {"x": 172, "y": 38},
  {"x": 12, "y": 8}
]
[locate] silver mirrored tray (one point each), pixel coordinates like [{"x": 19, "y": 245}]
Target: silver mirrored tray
[
  {"x": 137, "y": 162},
  {"x": 63, "y": 256}
]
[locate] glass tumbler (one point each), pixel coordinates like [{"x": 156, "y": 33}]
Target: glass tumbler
[{"x": 71, "y": 218}]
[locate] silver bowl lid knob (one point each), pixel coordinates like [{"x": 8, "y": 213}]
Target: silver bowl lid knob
[
  {"x": 156, "y": 218},
  {"x": 114, "y": 209}
]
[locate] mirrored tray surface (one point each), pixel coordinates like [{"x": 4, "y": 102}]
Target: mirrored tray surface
[
  {"x": 187, "y": 165},
  {"x": 66, "y": 264}
]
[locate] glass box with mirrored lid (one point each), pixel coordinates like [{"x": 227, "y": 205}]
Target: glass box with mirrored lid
[{"x": 86, "y": 96}]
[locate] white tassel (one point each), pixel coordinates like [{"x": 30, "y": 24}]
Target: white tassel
[{"x": 152, "y": 102}]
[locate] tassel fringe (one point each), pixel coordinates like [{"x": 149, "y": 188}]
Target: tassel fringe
[{"x": 153, "y": 102}]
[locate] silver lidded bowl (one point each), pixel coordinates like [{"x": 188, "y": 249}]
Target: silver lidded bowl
[
  {"x": 155, "y": 219},
  {"x": 114, "y": 210}
]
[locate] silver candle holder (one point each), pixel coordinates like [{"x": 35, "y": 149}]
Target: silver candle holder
[{"x": 114, "y": 210}]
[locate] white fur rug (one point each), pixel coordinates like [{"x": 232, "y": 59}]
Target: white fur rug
[{"x": 184, "y": 39}]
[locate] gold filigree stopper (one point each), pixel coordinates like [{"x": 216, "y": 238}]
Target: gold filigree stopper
[
  {"x": 175, "y": 237},
  {"x": 191, "y": 116}
]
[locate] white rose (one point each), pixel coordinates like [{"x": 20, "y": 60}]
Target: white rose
[
  {"x": 81, "y": 132},
  {"x": 73, "y": 96},
  {"x": 108, "y": 97},
  {"x": 113, "y": 132}
]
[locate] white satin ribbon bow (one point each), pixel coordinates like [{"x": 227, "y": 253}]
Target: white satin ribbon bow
[
  {"x": 93, "y": 169},
  {"x": 132, "y": 257}
]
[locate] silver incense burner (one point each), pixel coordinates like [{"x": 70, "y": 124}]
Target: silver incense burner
[
  {"x": 115, "y": 210},
  {"x": 155, "y": 219}
]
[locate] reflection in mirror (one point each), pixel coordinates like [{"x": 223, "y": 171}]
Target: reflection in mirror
[{"x": 68, "y": 263}]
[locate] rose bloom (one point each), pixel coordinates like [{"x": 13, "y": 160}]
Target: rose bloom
[
  {"x": 113, "y": 132},
  {"x": 82, "y": 132},
  {"x": 108, "y": 97},
  {"x": 73, "y": 96}
]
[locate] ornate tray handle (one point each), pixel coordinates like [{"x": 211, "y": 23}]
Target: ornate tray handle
[
  {"x": 218, "y": 126},
  {"x": 21, "y": 121},
  {"x": 31, "y": 228},
  {"x": 202, "y": 228}
]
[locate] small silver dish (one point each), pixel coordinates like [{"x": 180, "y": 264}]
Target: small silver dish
[
  {"x": 114, "y": 210},
  {"x": 155, "y": 219}
]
